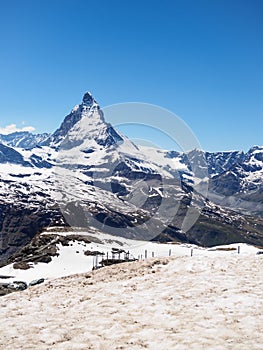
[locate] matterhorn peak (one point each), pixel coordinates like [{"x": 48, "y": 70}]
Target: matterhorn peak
[
  {"x": 88, "y": 99},
  {"x": 85, "y": 121},
  {"x": 87, "y": 108}
]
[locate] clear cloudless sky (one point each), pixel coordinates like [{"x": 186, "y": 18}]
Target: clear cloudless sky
[{"x": 201, "y": 59}]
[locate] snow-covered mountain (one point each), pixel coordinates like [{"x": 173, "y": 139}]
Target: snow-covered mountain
[
  {"x": 87, "y": 174},
  {"x": 241, "y": 185},
  {"x": 23, "y": 139}
]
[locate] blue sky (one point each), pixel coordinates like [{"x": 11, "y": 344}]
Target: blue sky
[{"x": 200, "y": 59}]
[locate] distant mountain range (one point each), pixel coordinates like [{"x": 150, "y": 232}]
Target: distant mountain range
[
  {"x": 88, "y": 174},
  {"x": 23, "y": 139}
]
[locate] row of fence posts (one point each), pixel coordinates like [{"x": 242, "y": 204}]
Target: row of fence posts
[
  {"x": 114, "y": 256},
  {"x": 145, "y": 256},
  {"x": 140, "y": 256}
]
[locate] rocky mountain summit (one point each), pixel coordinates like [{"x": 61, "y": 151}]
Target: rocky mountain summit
[{"x": 88, "y": 174}]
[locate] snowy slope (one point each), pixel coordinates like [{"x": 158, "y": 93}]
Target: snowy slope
[
  {"x": 209, "y": 301},
  {"x": 70, "y": 259}
]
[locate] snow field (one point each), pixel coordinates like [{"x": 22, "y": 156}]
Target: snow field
[{"x": 212, "y": 301}]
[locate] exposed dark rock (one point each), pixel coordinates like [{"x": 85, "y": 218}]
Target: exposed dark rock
[
  {"x": 112, "y": 138},
  {"x": 39, "y": 162},
  {"x": 21, "y": 265},
  {"x": 4, "y": 289},
  {"x": 9, "y": 155},
  {"x": 19, "y": 224},
  {"x": 88, "y": 99},
  {"x": 18, "y": 285},
  {"x": 36, "y": 282},
  {"x": 41, "y": 249},
  {"x": 93, "y": 253}
]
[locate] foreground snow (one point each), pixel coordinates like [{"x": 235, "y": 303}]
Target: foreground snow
[
  {"x": 72, "y": 260},
  {"x": 209, "y": 301}
]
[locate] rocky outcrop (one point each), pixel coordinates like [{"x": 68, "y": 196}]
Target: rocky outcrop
[
  {"x": 9, "y": 155},
  {"x": 41, "y": 249},
  {"x": 19, "y": 224},
  {"x": 15, "y": 286}
]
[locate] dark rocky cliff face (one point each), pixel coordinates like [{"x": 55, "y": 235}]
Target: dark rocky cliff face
[
  {"x": 19, "y": 224},
  {"x": 9, "y": 155}
]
